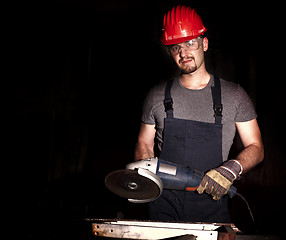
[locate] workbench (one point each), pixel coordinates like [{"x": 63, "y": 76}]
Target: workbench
[{"x": 153, "y": 230}]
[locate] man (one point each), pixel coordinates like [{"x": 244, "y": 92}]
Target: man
[{"x": 192, "y": 121}]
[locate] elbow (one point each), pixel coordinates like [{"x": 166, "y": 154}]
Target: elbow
[
  {"x": 261, "y": 157},
  {"x": 260, "y": 153}
]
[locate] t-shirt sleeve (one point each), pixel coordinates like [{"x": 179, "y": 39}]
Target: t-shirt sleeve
[
  {"x": 245, "y": 110},
  {"x": 148, "y": 109},
  {"x": 153, "y": 108}
]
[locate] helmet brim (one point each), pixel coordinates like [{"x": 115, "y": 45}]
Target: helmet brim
[{"x": 180, "y": 39}]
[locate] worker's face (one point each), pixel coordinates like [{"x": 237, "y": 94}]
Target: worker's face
[{"x": 190, "y": 55}]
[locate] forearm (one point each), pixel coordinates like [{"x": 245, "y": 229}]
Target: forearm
[
  {"x": 253, "y": 152},
  {"x": 143, "y": 151},
  {"x": 250, "y": 156},
  {"x": 145, "y": 144}
]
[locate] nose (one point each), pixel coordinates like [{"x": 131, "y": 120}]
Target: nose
[{"x": 183, "y": 52}]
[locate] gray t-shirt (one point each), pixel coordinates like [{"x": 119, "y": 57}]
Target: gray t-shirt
[{"x": 197, "y": 105}]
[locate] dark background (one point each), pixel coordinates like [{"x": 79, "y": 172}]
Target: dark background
[{"x": 79, "y": 73}]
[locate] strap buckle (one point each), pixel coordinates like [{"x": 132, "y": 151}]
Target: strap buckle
[
  {"x": 168, "y": 103},
  {"x": 218, "y": 110}
]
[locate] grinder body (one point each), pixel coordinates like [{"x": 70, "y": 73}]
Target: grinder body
[{"x": 178, "y": 177}]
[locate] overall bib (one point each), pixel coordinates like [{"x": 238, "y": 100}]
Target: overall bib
[{"x": 197, "y": 145}]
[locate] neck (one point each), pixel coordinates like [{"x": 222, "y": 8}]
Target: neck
[{"x": 196, "y": 80}]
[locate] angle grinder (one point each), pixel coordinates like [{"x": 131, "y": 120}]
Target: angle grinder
[{"x": 143, "y": 181}]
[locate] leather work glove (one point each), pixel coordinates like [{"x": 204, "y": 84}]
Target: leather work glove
[{"x": 218, "y": 181}]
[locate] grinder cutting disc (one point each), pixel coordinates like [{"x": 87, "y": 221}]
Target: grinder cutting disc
[{"x": 130, "y": 184}]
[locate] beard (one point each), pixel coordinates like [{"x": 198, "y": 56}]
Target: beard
[{"x": 189, "y": 68}]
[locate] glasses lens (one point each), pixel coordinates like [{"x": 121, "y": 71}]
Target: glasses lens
[
  {"x": 175, "y": 49},
  {"x": 192, "y": 45}
]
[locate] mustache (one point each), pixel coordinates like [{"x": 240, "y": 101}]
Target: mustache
[{"x": 186, "y": 59}]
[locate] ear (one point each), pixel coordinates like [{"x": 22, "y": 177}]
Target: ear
[{"x": 205, "y": 44}]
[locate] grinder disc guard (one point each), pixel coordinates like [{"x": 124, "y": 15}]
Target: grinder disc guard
[{"x": 133, "y": 185}]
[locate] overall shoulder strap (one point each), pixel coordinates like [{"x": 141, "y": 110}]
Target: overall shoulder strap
[
  {"x": 168, "y": 101},
  {"x": 217, "y": 105}
]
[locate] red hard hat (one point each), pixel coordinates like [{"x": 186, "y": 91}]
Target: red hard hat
[{"x": 181, "y": 24}]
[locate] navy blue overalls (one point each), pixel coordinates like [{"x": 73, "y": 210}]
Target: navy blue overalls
[{"x": 197, "y": 145}]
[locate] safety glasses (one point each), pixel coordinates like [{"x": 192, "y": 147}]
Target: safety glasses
[{"x": 191, "y": 45}]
